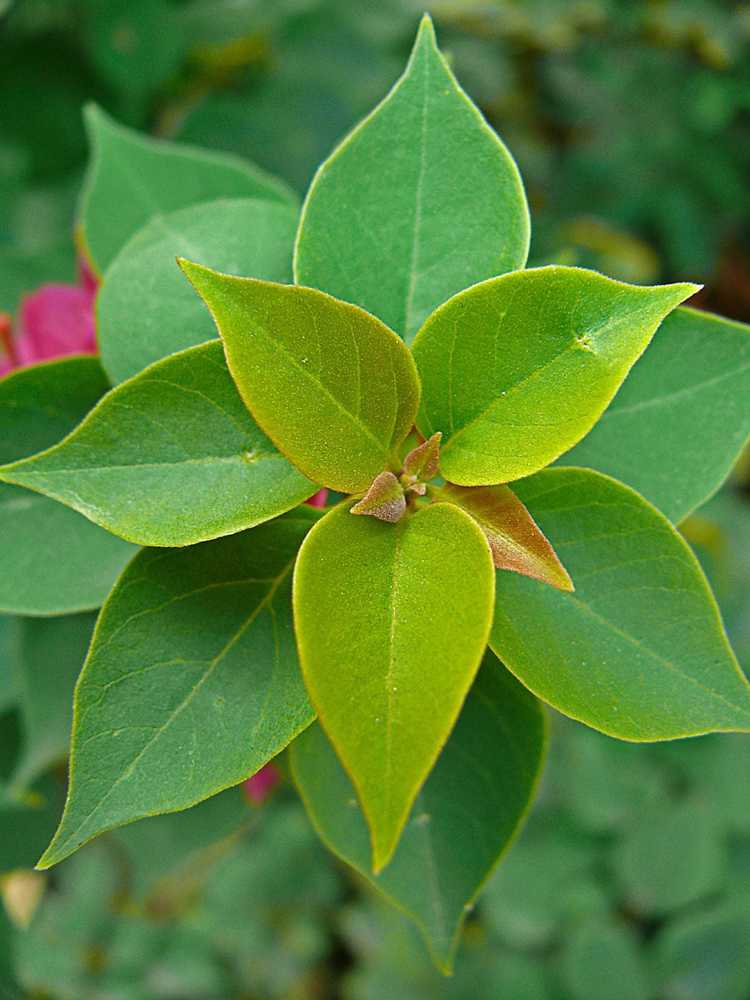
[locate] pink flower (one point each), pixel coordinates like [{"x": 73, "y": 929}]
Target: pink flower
[
  {"x": 318, "y": 499},
  {"x": 261, "y": 784},
  {"x": 53, "y": 321}
]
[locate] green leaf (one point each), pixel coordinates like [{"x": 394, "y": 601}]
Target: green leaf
[
  {"x": 333, "y": 388},
  {"x": 385, "y": 225},
  {"x": 464, "y": 818},
  {"x": 673, "y": 855},
  {"x": 54, "y": 560},
  {"x": 132, "y": 177},
  {"x": 49, "y": 658},
  {"x": 517, "y": 369},
  {"x": 192, "y": 682},
  {"x": 171, "y": 457},
  {"x": 681, "y": 419},
  {"x": 638, "y": 651},
  {"x": 7, "y": 660},
  {"x": 602, "y": 959},
  {"x": 145, "y": 308},
  {"x": 515, "y": 540},
  {"x": 386, "y": 668}
]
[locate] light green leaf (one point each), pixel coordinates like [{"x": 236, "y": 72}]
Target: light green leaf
[
  {"x": 677, "y": 426},
  {"x": 386, "y": 667},
  {"x": 386, "y": 224},
  {"x": 332, "y": 386},
  {"x": 54, "y": 560},
  {"x": 192, "y": 682},
  {"x": 517, "y": 369},
  {"x": 132, "y": 177},
  {"x": 638, "y": 651},
  {"x": 462, "y": 821},
  {"x": 171, "y": 457},
  {"x": 49, "y": 658},
  {"x": 145, "y": 309}
]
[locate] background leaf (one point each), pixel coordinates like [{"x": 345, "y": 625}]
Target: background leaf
[
  {"x": 377, "y": 647},
  {"x": 463, "y": 819},
  {"x": 49, "y": 656},
  {"x": 133, "y": 177},
  {"x": 55, "y": 561},
  {"x": 384, "y": 224},
  {"x": 333, "y": 387},
  {"x": 638, "y": 651},
  {"x": 145, "y": 308},
  {"x": 192, "y": 682},
  {"x": 517, "y": 369},
  {"x": 677, "y": 426},
  {"x": 171, "y": 457}
]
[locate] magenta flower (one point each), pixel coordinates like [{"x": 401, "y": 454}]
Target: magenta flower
[
  {"x": 53, "y": 321},
  {"x": 258, "y": 787}
]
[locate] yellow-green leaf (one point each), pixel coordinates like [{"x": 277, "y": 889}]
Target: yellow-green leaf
[
  {"x": 332, "y": 386},
  {"x": 392, "y": 621},
  {"x": 517, "y": 369}
]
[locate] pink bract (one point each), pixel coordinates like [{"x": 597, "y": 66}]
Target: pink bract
[{"x": 261, "y": 784}]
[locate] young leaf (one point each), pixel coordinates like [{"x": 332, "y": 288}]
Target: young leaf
[
  {"x": 132, "y": 177},
  {"x": 392, "y": 621},
  {"x": 423, "y": 463},
  {"x": 638, "y": 651},
  {"x": 49, "y": 657},
  {"x": 677, "y": 426},
  {"x": 517, "y": 369},
  {"x": 333, "y": 388},
  {"x": 54, "y": 560},
  {"x": 386, "y": 225},
  {"x": 192, "y": 682},
  {"x": 463, "y": 820},
  {"x": 171, "y": 457},
  {"x": 385, "y": 499},
  {"x": 145, "y": 308},
  {"x": 515, "y": 540}
]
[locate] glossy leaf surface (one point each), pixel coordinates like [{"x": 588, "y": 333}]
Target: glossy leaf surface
[
  {"x": 146, "y": 310},
  {"x": 391, "y": 621},
  {"x": 678, "y": 424},
  {"x": 515, "y": 540},
  {"x": 638, "y": 651},
  {"x": 133, "y": 177},
  {"x": 421, "y": 200},
  {"x": 517, "y": 369},
  {"x": 54, "y": 560},
  {"x": 170, "y": 457},
  {"x": 463, "y": 819},
  {"x": 192, "y": 682},
  {"x": 334, "y": 388}
]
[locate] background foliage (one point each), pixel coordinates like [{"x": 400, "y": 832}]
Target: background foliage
[{"x": 631, "y": 125}]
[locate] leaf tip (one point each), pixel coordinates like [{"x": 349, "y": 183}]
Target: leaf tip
[{"x": 425, "y": 34}]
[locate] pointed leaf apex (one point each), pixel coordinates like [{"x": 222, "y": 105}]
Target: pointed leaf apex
[
  {"x": 422, "y": 463},
  {"x": 384, "y": 500}
]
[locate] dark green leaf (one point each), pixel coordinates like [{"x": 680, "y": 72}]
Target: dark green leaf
[
  {"x": 145, "y": 308},
  {"x": 638, "y": 651},
  {"x": 386, "y": 224},
  {"x": 676, "y": 427},
  {"x": 170, "y": 457},
  {"x": 192, "y": 682},
  {"x": 133, "y": 177},
  {"x": 55, "y": 561}
]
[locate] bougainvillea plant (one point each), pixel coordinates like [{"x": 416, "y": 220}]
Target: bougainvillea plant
[{"x": 386, "y": 343}]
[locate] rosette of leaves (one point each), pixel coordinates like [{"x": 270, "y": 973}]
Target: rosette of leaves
[{"x": 403, "y": 640}]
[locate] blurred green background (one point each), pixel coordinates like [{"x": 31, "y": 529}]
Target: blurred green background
[{"x": 630, "y": 121}]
